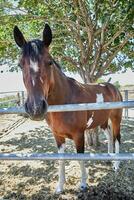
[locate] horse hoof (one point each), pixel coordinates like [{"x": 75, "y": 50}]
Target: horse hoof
[
  {"x": 115, "y": 169},
  {"x": 58, "y": 190},
  {"x": 83, "y": 187},
  {"x": 115, "y": 166}
]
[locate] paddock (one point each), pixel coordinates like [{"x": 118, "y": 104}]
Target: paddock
[{"x": 27, "y": 180}]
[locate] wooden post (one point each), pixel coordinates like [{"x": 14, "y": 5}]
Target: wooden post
[{"x": 18, "y": 99}]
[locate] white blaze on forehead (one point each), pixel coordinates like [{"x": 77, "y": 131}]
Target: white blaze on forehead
[
  {"x": 90, "y": 120},
  {"x": 34, "y": 45},
  {"x": 34, "y": 66},
  {"x": 33, "y": 82},
  {"x": 41, "y": 80},
  {"x": 99, "y": 98}
]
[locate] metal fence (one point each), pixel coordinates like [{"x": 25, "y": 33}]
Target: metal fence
[
  {"x": 65, "y": 156},
  {"x": 128, "y": 95},
  {"x": 66, "y": 108},
  {"x": 75, "y": 107},
  {"x": 18, "y": 99}
]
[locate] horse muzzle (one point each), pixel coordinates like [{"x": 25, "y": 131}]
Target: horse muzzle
[{"x": 36, "y": 109}]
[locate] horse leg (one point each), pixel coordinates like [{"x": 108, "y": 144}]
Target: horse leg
[
  {"x": 79, "y": 143},
  {"x": 116, "y": 163},
  {"x": 109, "y": 136},
  {"x": 61, "y": 148},
  {"x": 116, "y": 132}
]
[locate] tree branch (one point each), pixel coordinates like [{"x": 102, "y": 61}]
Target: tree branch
[
  {"x": 98, "y": 50},
  {"x": 88, "y": 24},
  {"x": 71, "y": 60},
  {"x": 108, "y": 62},
  {"x": 103, "y": 32},
  {"x": 96, "y": 59},
  {"x": 112, "y": 39}
]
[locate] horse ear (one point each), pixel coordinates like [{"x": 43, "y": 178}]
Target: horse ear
[
  {"x": 18, "y": 37},
  {"x": 47, "y": 35}
]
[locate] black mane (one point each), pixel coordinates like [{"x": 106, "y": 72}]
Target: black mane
[
  {"x": 33, "y": 49},
  {"x": 57, "y": 65}
]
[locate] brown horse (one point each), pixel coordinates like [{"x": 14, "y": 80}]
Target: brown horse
[{"x": 47, "y": 85}]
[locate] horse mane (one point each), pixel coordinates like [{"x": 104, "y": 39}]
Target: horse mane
[
  {"x": 33, "y": 49},
  {"x": 60, "y": 69},
  {"x": 57, "y": 65}
]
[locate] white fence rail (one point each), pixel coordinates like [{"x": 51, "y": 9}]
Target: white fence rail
[
  {"x": 20, "y": 97},
  {"x": 65, "y": 108},
  {"x": 69, "y": 156},
  {"x": 75, "y": 107}
]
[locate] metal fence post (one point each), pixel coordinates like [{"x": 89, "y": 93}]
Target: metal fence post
[
  {"x": 23, "y": 98},
  {"x": 126, "y": 99}
]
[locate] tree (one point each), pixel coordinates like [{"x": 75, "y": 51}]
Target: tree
[
  {"x": 117, "y": 84},
  {"x": 93, "y": 38}
]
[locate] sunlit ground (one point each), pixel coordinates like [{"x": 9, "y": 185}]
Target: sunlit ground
[{"x": 32, "y": 180}]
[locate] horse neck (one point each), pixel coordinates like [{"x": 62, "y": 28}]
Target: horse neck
[{"x": 59, "y": 92}]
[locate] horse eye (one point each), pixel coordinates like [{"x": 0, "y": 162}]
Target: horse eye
[
  {"x": 50, "y": 62},
  {"x": 19, "y": 65}
]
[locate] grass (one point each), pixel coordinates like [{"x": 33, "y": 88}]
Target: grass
[{"x": 7, "y": 101}]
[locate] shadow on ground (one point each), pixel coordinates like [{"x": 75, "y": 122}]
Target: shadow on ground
[{"x": 37, "y": 180}]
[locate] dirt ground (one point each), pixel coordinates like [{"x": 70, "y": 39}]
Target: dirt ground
[{"x": 36, "y": 180}]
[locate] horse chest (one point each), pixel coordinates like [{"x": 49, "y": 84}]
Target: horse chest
[{"x": 66, "y": 122}]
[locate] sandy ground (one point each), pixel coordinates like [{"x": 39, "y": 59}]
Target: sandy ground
[{"x": 36, "y": 180}]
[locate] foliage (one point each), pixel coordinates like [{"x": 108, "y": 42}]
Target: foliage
[
  {"x": 117, "y": 84},
  {"x": 91, "y": 37}
]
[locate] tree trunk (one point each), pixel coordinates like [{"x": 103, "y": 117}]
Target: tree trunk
[{"x": 92, "y": 136}]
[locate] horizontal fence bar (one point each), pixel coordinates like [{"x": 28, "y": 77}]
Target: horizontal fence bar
[
  {"x": 91, "y": 106},
  {"x": 9, "y": 101},
  {"x": 61, "y": 156},
  {"x": 75, "y": 107},
  {"x": 15, "y": 91},
  {"x": 127, "y": 90},
  {"x": 12, "y": 110}
]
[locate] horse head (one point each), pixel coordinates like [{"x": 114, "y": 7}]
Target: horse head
[{"x": 36, "y": 64}]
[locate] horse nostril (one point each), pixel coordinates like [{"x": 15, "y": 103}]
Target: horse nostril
[
  {"x": 37, "y": 109},
  {"x": 26, "y": 107},
  {"x": 44, "y": 105}
]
